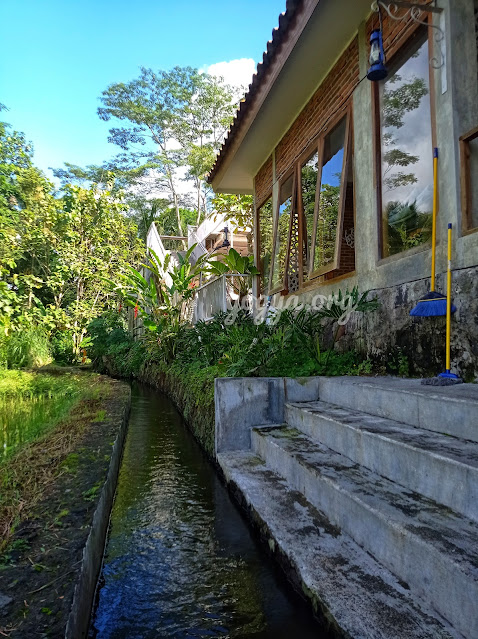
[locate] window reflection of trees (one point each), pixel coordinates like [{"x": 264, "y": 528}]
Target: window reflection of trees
[
  {"x": 319, "y": 214},
  {"x": 309, "y": 172},
  {"x": 407, "y": 168},
  {"x": 282, "y": 237},
  {"x": 265, "y": 242},
  {"x": 329, "y": 197}
]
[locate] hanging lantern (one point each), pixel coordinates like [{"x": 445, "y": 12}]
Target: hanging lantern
[
  {"x": 378, "y": 70},
  {"x": 226, "y": 242}
]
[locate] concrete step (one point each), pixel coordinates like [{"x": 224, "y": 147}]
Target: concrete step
[
  {"x": 452, "y": 410},
  {"x": 429, "y": 547},
  {"x": 440, "y": 467},
  {"x": 353, "y": 594}
]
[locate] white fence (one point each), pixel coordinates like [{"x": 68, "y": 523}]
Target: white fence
[
  {"x": 211, "y": 299},
  {"x": 215, "y": 296}
]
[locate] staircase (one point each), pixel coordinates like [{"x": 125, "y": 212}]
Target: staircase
[{"x": 370, "y": 495}]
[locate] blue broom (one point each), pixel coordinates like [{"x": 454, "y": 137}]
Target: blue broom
[
  {"x": 447, "y": 378},
  {"x": 433, "y": 304}
]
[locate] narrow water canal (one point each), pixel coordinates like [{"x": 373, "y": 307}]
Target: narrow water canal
[{"x": 180, "y": 560}]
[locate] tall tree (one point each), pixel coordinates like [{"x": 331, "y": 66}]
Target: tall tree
[
  {"x": 396, "y": 104},
  {"x": 173, "y": 123},
  {"x": 144, "y": 211}
]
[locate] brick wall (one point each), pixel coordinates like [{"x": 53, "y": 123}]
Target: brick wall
[
  {"x": 323, "y": 105},
  {"x": 263, "y": 182}
]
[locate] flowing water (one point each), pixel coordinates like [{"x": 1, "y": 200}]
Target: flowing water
[{"x": 180, "y": 559}]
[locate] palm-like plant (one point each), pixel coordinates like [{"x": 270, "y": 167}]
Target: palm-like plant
[
  {"x": 234, "y": 263},
  {"x": 163, "y": 307}
]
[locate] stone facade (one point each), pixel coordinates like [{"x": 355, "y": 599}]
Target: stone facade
[{"x": 416, "y": 346}]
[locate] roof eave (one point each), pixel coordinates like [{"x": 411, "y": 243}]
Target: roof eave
[{"x": 292, "y": 70}]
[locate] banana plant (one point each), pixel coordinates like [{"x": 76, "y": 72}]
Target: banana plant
[
  {"x": 147, "y": 291},
  {"x": 234, "y": 263}
]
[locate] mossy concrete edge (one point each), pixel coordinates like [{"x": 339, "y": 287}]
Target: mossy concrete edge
[{"x": 84, "y": 595}]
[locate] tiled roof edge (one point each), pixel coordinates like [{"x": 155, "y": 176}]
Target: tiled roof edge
[{"x": 278, "y": 36}]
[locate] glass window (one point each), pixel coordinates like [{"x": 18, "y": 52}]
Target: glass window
[
  {"x": 282, "y": 234},
  {"x": 469, "y": 168},
  {"x": 328, "y": 214},
  {"x": 265, "y": 242},
  {"x": 308, "y": 186},
  {"x": 473, "y": 173},
  {"x": 407, "y": 153}
]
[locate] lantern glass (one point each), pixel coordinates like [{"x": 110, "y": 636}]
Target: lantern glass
[{"x": 375, "y": 53}]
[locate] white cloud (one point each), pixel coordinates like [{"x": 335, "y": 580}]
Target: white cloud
[{"x": 235, "y": 72}]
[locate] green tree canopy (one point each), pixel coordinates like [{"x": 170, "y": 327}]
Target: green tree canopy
[
  {"x": 55, "y": 251},
  {"x": 168, "y": 126}
]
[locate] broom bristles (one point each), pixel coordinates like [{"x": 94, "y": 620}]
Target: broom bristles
[
  {"x": 429, "y": 308},
  {"x": 441, "y": 381},
  {"x": 432, "y": 305}
]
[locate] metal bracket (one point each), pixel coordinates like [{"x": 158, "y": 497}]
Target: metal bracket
[
  {"x": 414, "y": 11},
  {"x": 403, "y": 4}
]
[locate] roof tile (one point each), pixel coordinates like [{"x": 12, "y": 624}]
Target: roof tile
[{"x": 278, "y": 35}]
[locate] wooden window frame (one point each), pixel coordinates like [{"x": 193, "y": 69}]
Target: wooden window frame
[
  {"x": 398, "y": 56},
  {"x": 465, "y": 179},
  {"x": 311, "y": 150},
  {"x": 283, "y": 287},
  {"x": 335, "y": 264},
  {"x": 297, "y": 207},
  {"x": 258, "y": 243}
]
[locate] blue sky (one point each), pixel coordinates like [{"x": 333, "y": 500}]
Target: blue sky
[{"x": 59, "y": 55}]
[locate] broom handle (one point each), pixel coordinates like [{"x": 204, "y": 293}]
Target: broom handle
[
  {"x": 448, "y": 303},
  {"x": 434, "y": 216}
]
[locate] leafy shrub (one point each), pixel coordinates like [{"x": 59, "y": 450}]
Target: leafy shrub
[
  {"x": 62, "y": 347},
  {"x": 112, "y": 348},
  {"x": 289, "y": 346}
]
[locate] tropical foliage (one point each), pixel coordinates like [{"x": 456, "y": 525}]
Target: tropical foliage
[
  {"x": 241, "y": 267},
  {"x": 168, "y": 126},
  {"x": 54, "y": 251}
]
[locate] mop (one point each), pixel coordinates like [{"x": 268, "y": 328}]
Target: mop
[
  {"x": 446, "y": 378},
  {"x": 433, "y": 304}
]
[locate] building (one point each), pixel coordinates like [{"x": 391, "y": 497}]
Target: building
[
  {"x": 341, "y": 167},
  {"x": 215, "y": 236}
]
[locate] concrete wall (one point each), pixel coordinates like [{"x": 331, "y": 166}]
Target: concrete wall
[{"x": 244, "y": 402}]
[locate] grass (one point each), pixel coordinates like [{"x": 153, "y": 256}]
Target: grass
[
  {"x": 31, "y": 404},
  {"x": 27, "y": 473},
  {"x": 25, "y": 384}
]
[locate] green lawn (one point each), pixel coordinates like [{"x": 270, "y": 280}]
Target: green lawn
[{"x": 33, "y": 403}]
